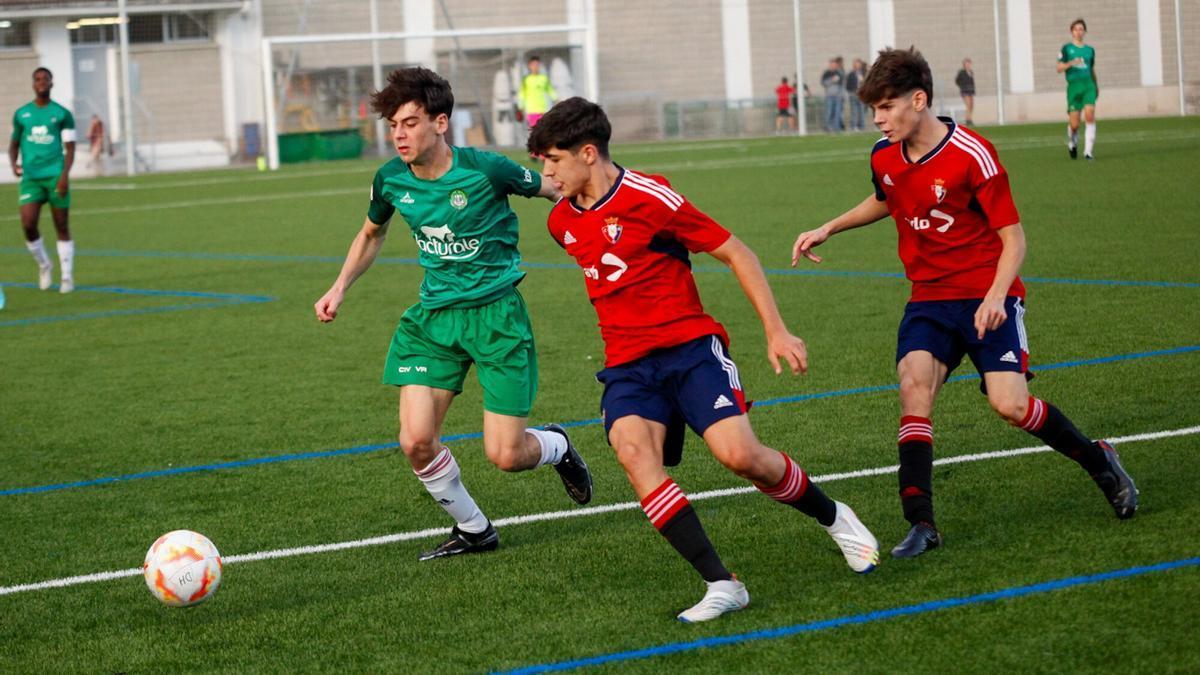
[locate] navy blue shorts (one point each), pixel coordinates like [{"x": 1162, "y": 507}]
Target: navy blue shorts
[
  {"x": 946, "y": 329},
  {"x": 694, "y": 383}
]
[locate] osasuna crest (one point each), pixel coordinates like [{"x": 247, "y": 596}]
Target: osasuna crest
[
  {"x": 939, "y": 189},
  {"x": 611, "y": 230}
]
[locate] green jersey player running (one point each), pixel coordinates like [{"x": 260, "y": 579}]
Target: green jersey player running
[
  {"x": 455, "y": 203},
  {"x": 42, "y": 131},
  {"x": 1078, "y": 61}
]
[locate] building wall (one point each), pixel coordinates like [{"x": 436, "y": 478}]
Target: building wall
[
  {"x": 16, "y": 85},
  {"x": 181, "y": 87}
]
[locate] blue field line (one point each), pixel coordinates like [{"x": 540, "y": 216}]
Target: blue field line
[
  {"x": 786, "y": 271},
  {"x": 220, "y": 300},
  {"x": 857, "y": 619},
  {"x": 361, "y": 449}
]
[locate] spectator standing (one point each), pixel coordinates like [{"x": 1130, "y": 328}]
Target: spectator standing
[
  {"x": 858, "y": 109},
  {"x": 834, "y": 82},
  {"x": 784, "y": 95},
  {"x": 966, "y": 88}
]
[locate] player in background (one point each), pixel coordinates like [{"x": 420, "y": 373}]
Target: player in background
[
  {"x": 536, "y": 94},
  {"x": 1078, "y": 61},
  {"x": 44, "y": 138},
  {"x": 455, "y": 202},
  {"x": 962, "y": 246},
  {"x": 666, "y": 360}
]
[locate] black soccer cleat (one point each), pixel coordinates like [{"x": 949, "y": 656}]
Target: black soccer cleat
[
  {"x": 1115, "y": 483},
  {"x": 1074, "y": 150},
  {"x": 573, "y": 470},
  {"x": 460, "y": 542},
  {"x": 921, "y": 538}
]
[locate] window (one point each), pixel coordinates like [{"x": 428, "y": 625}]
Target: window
[
  {"x": 15, "y": 35},
  {"x": 143, "y": 29},
  {"x": 189, "y": 26}
]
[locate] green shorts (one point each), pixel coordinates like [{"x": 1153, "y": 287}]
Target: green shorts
[
  {"x": 39, "y": 190},
  {"x": 1080, "y": 94},
  {"x": 436, "y": 347}
]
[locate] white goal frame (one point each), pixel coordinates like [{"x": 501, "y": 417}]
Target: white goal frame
[{"x": 588, "y": 29}]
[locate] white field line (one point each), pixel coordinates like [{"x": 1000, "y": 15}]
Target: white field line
[
  {"x": 574, "y": 513},
  {"x": 223, "y": 201}
]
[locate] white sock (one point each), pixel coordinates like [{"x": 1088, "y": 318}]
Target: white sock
[
  {"x": 1072, "y": 136},
  {"x": 441, "y": 479},
  {"x": 38, "y": 250},
  {"x": 66, "y": 258},
  {"x": 1089, "y": 137},
  {"x": 554, "y": 445}
]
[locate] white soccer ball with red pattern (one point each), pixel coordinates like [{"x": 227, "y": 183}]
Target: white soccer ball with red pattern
[{"x": 182, "y": 568}]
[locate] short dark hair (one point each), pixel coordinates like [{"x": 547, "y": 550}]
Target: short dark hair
[
  {"x": 414, "y": 85},
  {"x": 535, "y": 57},
  {"x": 43, "y": 69},
  {"x": 569, "y": 125},
  {"x": 895, "y": 73},
  {"x": 1079, "y": 21}
]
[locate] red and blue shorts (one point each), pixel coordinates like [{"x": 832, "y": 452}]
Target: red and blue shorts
[{"x": 946, "y": 329}]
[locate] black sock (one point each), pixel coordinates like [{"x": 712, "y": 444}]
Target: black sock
[
  {"x": 815, "y": 503},
  {"x": 686, "y": 534},
  {"x": 797, "y": 491},
  {"x": 1049, "y": 425},
  {"x": 916, "y": 481}
]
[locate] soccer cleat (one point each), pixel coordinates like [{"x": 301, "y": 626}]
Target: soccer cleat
[
  {"x": 1115, "y": 483},
  {"x": 45, "y": 276},
  {"x": 1088, "y": 157},
  {"x": 460, "y": 542},
  {"x": 67, "y": 285},
  {"x": 573, "y": 470},
  {"x": 721, "y": 597},
  {"x": 856, "y": 541},
  {"x": 921, "y": 538},
  {"x": 1074, "y": 150}
]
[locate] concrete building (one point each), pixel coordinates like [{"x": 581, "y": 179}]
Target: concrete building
[{"x": 664, "y": 69}]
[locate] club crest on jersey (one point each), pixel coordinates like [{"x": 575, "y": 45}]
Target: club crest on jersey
[
  {"x": 458, "y": 199},
  {"x": 611, "y": 230},
  {"x": 939, "y": 189}
]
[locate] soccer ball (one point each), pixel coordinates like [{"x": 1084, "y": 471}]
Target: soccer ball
[{"x": 182, "y": 568}]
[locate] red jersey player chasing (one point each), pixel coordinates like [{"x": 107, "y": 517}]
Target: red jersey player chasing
[
  {"x": 962, "y": 245},
  {"x": 666, "y": 360}
]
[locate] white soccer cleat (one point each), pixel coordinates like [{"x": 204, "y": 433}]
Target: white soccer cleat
[
  {"x": 856, "y": 541},
  {"x": 67, "y": 285},
  {"x": 721, "y": 597},
  {"x": 45, "y": 276}
]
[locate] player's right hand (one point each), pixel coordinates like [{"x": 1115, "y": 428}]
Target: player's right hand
[
  {"x": 17, "y": 170},
  {"x": 806, "y": 242},
  {"x": 327, "y": 307}
]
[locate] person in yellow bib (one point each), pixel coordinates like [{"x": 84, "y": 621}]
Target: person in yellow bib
[
  {"x": 536, "y": 94},
  {"x": 44, "y": 138}
]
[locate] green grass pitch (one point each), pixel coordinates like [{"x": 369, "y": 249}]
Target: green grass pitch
[{"x": 225, "y": 361}]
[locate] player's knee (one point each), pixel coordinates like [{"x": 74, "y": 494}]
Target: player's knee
[
  {"x": 1011, "y": 409},
  {"x": 419, "y": 448},
  {"x": 632, "y": 454},
  {"x": 914, "y": 393},
  {"x": 506, "y": 457},
  {"x": 742, "y": 460}
]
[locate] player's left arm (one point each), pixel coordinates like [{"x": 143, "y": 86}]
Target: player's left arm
[
  {"x": 68, "y": 137},
  {"x": 749, "y": 272},
  {"x": 991, "y": 313}
]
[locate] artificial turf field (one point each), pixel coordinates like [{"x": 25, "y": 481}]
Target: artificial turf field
[{"x": 190, "y": 341}]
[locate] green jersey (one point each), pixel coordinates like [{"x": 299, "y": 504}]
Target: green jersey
[
  {"x": 1078, "y": 73},
  {"x": 464, "y": 228},
  {"x": 41, "y": 131}
]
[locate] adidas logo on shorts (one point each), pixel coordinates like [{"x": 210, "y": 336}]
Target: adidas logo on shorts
[
  {"x": 722, "y": 402},
  {"x": 1009, "y": 357}
]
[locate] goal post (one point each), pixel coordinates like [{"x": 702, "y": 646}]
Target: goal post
[{"x": 584, "y": 37}]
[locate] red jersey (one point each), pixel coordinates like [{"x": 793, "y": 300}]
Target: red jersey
[
  {"x": 783, "y": 96},
  {"x": 947, "y": 206},
  {"x": 632, "y": 246}
]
